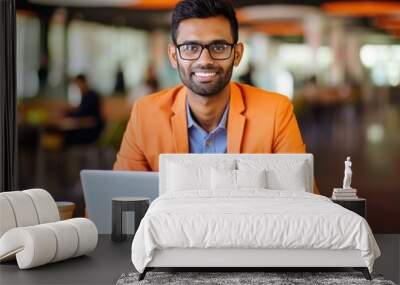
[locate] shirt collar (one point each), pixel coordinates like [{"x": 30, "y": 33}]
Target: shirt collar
[{"x": 191, "y": 122}]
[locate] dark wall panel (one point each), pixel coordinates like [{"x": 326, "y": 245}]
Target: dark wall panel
[{"x": 8, "y": 130}]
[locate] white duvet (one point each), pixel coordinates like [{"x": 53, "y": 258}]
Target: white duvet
[{"x": 251, "y": 218}]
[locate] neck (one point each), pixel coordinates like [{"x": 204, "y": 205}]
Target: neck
[
  {"x": 84, "y": 90},
  {"x": 208, "y": 111}
]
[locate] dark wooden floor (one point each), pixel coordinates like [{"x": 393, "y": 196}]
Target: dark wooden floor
[{"x": 110, "y": 259}]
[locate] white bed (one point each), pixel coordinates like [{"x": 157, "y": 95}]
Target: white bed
[{"x": 202, "y": 220}]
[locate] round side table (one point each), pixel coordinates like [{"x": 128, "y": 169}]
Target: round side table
[
  {"x": 66, "y": 209},
  {"x": 139, "y": 205}
]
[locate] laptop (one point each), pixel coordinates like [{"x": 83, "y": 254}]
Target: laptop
[{"x": 100, "y": 186}]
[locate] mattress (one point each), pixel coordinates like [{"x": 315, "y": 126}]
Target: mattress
[{"x": 250, "y": 219}]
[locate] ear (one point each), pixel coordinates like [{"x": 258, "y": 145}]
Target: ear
[
  {"x": 172, "y": 55},
  {"x": 239, "y": 48}
]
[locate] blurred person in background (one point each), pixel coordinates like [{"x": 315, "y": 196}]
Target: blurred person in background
[
  {"x": 119, "y": 86},
  {"x": 83, "y": 124}
]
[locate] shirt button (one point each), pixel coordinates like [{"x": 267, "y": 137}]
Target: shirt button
[{"x": 208, "y": 143}]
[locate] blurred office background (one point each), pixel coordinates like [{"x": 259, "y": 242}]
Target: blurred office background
[{"x": 339, "y": 63}]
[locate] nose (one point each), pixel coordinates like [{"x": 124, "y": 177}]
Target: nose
[{"x": 205, "y": 56}]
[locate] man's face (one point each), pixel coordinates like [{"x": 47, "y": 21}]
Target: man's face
[
  {"x": 205, "y": 76},
  {"x": 80, "y": 84}
]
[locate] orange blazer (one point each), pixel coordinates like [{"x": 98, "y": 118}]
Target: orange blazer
[{"x": 258, "y": 122}]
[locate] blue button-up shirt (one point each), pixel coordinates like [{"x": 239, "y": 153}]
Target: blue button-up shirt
[{"x": 202, "y": 142}]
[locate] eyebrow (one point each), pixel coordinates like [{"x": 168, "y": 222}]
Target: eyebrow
[{"x": 217, "y": 41}]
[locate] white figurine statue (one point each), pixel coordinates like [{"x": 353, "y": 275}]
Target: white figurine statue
[{"x": 347, "y": 174}]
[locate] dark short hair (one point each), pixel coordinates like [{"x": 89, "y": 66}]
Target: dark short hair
[
  {"x": 81, "y": 77},
  {"x": 187, "y": 9}
]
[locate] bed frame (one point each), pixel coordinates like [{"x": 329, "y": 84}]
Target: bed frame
[{"x": 244, "y": 259}]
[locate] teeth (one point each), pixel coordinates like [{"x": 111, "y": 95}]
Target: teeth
[{"x": 205, "y": 74}]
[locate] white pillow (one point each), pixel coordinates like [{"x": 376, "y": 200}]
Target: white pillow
[
  {"x": 290, "y": 179},
  {"x": 237, "y": 179},
  {"x": 188, "y": 176},
  {"x": 292, "y": 175},
  {"x": 223, "y": 179},
  {"x": 183, "y": 178},
  {"x": 251, "y": 178}
]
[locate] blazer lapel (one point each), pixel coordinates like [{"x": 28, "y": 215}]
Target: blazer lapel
[
  {"x": 236, "y": 121},
  {"x": 179, "y": 122}
]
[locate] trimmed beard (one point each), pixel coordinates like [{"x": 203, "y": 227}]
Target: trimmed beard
[{"x": 205, "y": 91}]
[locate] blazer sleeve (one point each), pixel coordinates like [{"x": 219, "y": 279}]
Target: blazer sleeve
[
  {"x": 131, "y": 155},
  {"x": 287, "y": 136}
]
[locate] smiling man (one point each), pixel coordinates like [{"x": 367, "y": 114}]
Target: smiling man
[{"x": 208, "y": 113}]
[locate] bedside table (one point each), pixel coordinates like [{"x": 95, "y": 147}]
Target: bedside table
[
  {"x": 139, "y": 205},
  {"x": 358, "y": 206}
]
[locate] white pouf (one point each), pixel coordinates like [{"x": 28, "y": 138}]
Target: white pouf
[
  {"x": 41, "y": 244},
  {"x": 45, "y": 205},
  {"x": 7, "y": 220},
  {"x": 23, "y": 209},
  {"x": 31, "y": 232}
]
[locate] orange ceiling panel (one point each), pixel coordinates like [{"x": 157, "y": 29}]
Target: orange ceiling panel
[
  {"x": 243, "y": 18},
  {"x": 361, "y": 8},
  {"x": 387, "y": 23},
  {"x": 280, "y": 28},
  {"x": 152, "y": 4}
]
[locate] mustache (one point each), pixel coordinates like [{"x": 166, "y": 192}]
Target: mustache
[{"x": 206, "y": 68}]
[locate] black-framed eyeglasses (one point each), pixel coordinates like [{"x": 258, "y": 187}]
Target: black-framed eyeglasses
[{"x": 217, "y": 51}]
